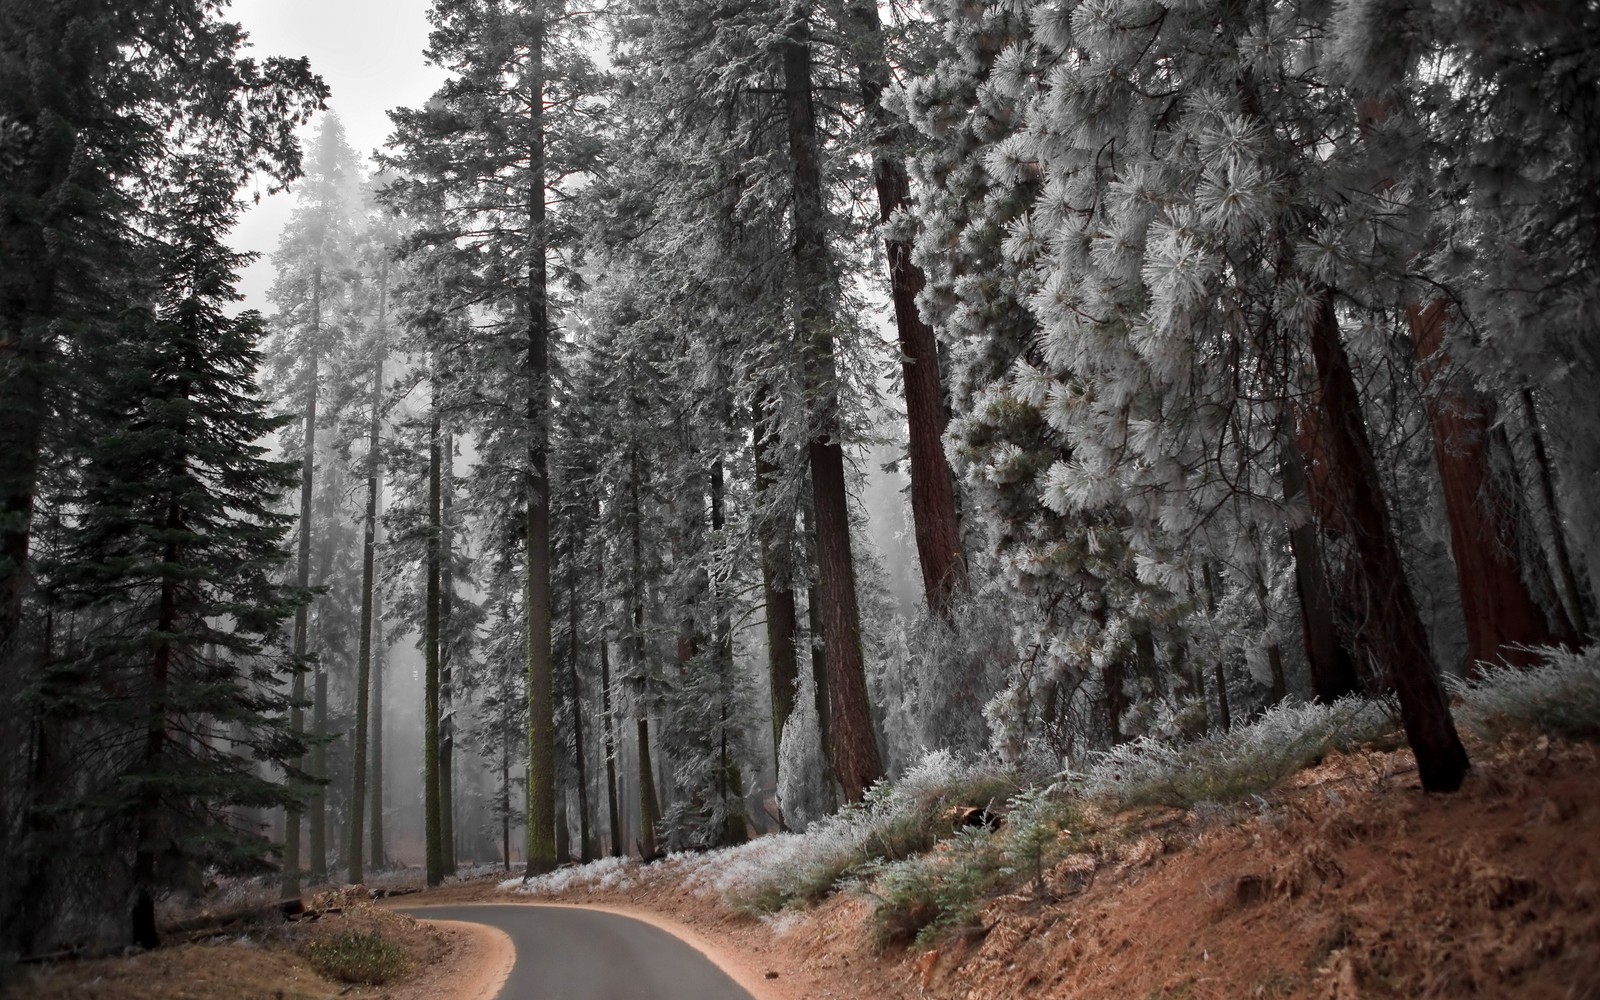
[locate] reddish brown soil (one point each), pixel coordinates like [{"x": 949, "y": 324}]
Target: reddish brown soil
[{"x": 1353, "y": 884}]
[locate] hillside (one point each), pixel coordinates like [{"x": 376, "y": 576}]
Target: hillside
[{"x": 1348, "y": 881}]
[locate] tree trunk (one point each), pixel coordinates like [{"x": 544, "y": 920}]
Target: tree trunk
[
  {"x": 815, "y": 641},
  {"x": 731, "y": 783},
  {"x": 649, "y": 806},
  {"x": 364, "y": 649},
  {"x": 433, "y": 845},
  {"x": 585, "y": 847},
  {"x": 776, "y": 587},
  {"x": 541, "y": 711},
  {"x": 618, "y": 848},
  {"x": 147, "y": 832},
  {"x": 1331, "y": 662},
  {"x": 317, "y": 834},
  {"x": 505, "y": 800},
  {"x": 376, "y": 855},
  {"x": 297, "y": 691},
  {"x": 1394, "y": 628},
  {"x": 933, "y": 498},
  {"x": 852, "y": 747},
  {"x": 447, "y": 724},
  {"x": 1575, "y": 597},
  {"x": 1485, "y": 521}
]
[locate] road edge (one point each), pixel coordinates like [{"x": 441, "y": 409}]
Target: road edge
[{"x": 750, "y": 977}]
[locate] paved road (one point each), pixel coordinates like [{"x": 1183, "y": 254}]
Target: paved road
[{"x": 566, "y": 953}]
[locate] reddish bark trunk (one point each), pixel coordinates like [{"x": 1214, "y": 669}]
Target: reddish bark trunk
[
  {"x": 1500, "y": 613},
  {"x": 933, "y": 498},
  {"x": 1394, "y": 631},
  {"x": 1329, "y": 656},
  {"x": 852, "y": 745}
]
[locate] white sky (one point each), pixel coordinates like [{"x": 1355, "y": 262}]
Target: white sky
[{"x": 370, "y": 54}]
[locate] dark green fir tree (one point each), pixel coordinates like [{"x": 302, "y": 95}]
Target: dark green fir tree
[{"x": 179, "y": 550}]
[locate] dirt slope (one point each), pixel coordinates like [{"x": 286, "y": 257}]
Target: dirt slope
[{"x": 1351, "y": 884}]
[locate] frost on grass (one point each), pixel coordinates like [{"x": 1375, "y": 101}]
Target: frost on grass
[
  {"x": 1234, "y": 764},
  {"x": 606, "y": 873},
  {"x": 1559, "y": 698},
  {"x": 896, "y": 820}
]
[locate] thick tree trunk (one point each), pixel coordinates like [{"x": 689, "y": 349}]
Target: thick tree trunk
[
  {"x": 1500, "y": 612},
  {"x": 541, "y": 710},
  {"x": 618, "y": 843},
  {"x": 297, "y": 690},
  {"x": 1394, "y": 628},
  {"x": 447, "y": 724},
  {"x": 1330, "y": 660},
  {"x": 816, "y": 642},
  {"x": 147, "y": 827},
  {"x": 933, "y": 498},
  {"x": 433, "y": 844},
  {"x": 364, "y": 646},
  {"x": 649, "y": 805},
  {"x": 852, "y": 746},
  {"x": 783, "y": 668}
]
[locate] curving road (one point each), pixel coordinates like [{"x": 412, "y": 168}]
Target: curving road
[{"x": 567, "y": 953}]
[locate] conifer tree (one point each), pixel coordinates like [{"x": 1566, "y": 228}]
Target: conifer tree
[
  {"x": 93, "y": 102},
  {"x": 179, "y": 541},
  {"x": 314, "y": 264},
  {"x": 486, "y": 153}
]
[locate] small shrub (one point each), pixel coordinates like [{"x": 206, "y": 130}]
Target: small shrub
[
  {"x": 1560, "y": 698},
  {"x": 1235, "y": 764},
  {"x": 924, "y": 896},
  {"x": 921, "y": 897},
  {"x": 357, "y": 957}
]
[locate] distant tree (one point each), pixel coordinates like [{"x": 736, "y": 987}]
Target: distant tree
[{"x": 315, "y": 268}]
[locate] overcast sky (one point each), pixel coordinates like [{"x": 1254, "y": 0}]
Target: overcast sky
[{"x": 369, "y": 52}]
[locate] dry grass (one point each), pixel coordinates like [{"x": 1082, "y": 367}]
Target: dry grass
[{"x": 277, "y": 963}]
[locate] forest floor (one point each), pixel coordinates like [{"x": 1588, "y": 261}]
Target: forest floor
[
  {"x": 1348, "y": 882},
  {"x": 293, "y": 961}
]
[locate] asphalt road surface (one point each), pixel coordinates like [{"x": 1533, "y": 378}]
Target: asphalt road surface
[{"x": 567, "y": 953}]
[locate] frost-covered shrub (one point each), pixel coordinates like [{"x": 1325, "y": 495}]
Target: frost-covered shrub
[
  {"x": 803, "y": 792},
  {"x": 1231, "y": 765},
  {"x": 937, "y": 669},
  {"x": 1561, "y": 698},
  {"x": 894, "y": 821},
  {"x": 606, "y": 873}
]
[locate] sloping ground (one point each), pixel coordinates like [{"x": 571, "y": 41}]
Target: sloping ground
[
  {"x": 1351, "y": 883},
  {"x": 454, "y": 961}
]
